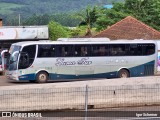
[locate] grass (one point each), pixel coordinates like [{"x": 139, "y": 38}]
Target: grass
[{"x": 6, "y": 8}]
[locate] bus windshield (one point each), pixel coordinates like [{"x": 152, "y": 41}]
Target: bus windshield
[{"x": 13, "y": 57}]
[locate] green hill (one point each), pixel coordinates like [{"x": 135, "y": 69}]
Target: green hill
[
  {"x": 40, "y": 12},
  {"x": 7, "y": 8},
  {"x": 28, "y": 7}
]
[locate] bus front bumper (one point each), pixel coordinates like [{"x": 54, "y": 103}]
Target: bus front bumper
[{"x": 12, "y": 76}]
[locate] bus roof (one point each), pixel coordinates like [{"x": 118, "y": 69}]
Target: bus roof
[
  {"x": 83, "y": 39},
  {"x": 83, "y": 42}
]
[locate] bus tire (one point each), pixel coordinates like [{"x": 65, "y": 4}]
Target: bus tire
[
  {"x": 42, "y": 77},
  {"x": 123, "y": 73}
]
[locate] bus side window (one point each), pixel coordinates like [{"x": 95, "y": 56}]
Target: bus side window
[
  {"x": 77, "y": 51},
  {"x": 102, "y": 51},
  {"x": 139, "y": 49},
  {"x": 44, "y": 51},
  {"x": 82, "y": 50},
  {"x": 59, "y": 51},
  {"x": 52, "y": 51},
  {"x": 132, "y": 51},
  {"x": 149, "y": 49},
  {"x": 44, "y": 54},
  {"x": 121, "y": 50},
  {"x": 69, "y": 49},
  {"x": 113, "y": 50},
  {"x": 99, "y": 50},
  {"x": 63, "y": 52},
  {"x": 28, "y": 52},
  {"x": 94, "y": 50},
  {"x": 85, "y": 50}
]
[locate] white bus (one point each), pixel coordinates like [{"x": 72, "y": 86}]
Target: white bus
[{"x": 41, "y": 61}]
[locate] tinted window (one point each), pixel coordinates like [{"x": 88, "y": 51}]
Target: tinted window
[
  {"x": 46, "y": 51},
  {"x": 148, "y": 49},
  {"x": 131, "y": 49},
  {"x": 140, "y": 49},
  {"x": 64, "y": 50},
  {"x": 117, "y": 50},
  {"x": 27, "y": 56},
  {"x": 82, "y": 50},
  {"x": 99, "y": 50},
  {"x": 95, "y": 50}
]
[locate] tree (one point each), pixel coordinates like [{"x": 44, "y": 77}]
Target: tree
[
  {"x": 79, "y": 31},
  {"x": 108, "y": 17},
  {"x": 136, "y": 7},
  {"x": 56, "y": 30},
  {"x": 88, "y": 18},
  {"x": 148, "y": 11}
]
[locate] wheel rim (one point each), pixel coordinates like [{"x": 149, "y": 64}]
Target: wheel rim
[
  {"x": 42, "y": 77},
  {"x": 124, "y": 75}
]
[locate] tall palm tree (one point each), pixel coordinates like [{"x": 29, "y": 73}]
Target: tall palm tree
[{"x": 88, "y": 18}]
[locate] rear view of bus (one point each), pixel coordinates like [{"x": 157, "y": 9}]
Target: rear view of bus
[{"x": 42, "y": 61}]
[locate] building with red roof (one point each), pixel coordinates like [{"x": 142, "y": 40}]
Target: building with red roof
[{"x": 130, "y": 28}]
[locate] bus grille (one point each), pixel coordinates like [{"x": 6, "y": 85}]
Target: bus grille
[{"x": 149, "y": 69}]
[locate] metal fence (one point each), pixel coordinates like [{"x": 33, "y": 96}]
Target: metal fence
[{"x": 81, "y": 99}]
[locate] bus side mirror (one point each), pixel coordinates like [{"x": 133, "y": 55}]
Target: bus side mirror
[{"x": 14, "y": 56}]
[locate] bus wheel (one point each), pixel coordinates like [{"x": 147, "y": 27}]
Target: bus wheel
[
  {"x": 42, "y": 77},
  {"x": 123, "y": 73}
]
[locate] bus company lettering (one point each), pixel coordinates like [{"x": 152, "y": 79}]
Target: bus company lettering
[
  {"x": 84, "y": 61},
  {"x": 62, "y": 62}
]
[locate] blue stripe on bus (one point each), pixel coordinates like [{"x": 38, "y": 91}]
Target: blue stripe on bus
[
  {"x": 146, "y": 69},
  {"x": 134, "y": 72},
  {"x": 27, "y": 77}
]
